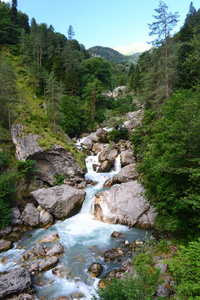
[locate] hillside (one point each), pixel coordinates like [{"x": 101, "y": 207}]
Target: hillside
[{"x": 112, "y": 55}]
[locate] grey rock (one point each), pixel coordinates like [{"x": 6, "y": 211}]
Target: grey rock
[
  {"x": 5, "y": 231},
  {"x": 25, "y": 144},
  {"x": 38, "y": 249},
  {"x": 96, "y": 148},
  {"x": 82, "y": 185},
  {"x": 60, "y": 201},
  {"x": 88, "y": 143},
  {"x": 126, "y": 157},
  {"x": 127, "y": 173},
  {"x": 46, "y": 219},
  {"x": 30, "y": 215},
  {"x": 124, "y": 204},
  {"x": 162, "y": 266},
  {"x": 57, "y": 249},
  {"x": 14, "y": 281},
  {"x": 51, "y": 237},
  {"x": 5, "y": 245},
  {"x": 49, "y": 263},
  {"x": 15, "y": 213},
  {"x": 95, "y": 269}
]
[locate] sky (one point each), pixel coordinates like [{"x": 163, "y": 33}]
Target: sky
[{"x": 108, "y": 23}]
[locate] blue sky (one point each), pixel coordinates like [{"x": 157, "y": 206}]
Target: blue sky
[{"x": 108, "y": 23}]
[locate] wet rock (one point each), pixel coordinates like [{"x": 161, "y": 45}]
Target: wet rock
[
  {"x": 31, "y": 215},
  {"x": 105, "y": 166},
  {"x": 60, "y": 201},
  {"x": 49, "y": 263},
  {"x": 15, "y": 217},
  {"x": 34, "y": 267},
  {"x": 46, "y": 219},
  {"x": 5, "y": 245},
  {"x": 95, "y": 269},
  {"x": 124, "y": 204},
  {"x": 88, "y": 143},
  {"x": 14, "y": 281},
  {"x": 96, "y": 148},
  {"x": 38, "y": 249},
  {"x": 116, "y": 234},
  {"x": 82, "y": 185},
  {"x": 57, "y": 249},
  {"x": 102, "y": 135},
  {"x": 126, "y": 157},
  {"x": 62, "y": 272},
  {"x": 51, "y": 237}
]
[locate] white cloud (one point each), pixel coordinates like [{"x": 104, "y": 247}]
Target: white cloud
[{"x": 6, "y": 0}]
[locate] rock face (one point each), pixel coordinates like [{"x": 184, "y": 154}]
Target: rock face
[
  {"x": 14, "y": 281},
  {"x": 49, "y": 163},
  {"x": 60, "y": 201},
  {"x": 31, "y": 215},
  {"x": 124, "y": 204},
  {"x": 26, "y": 145}
]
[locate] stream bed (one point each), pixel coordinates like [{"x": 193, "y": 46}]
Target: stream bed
[{"x": 84, "y": 239}]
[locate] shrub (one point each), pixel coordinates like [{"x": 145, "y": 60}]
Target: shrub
[
  {"x": 185, "y": 266},
  {"x": 116, "y": 135},
  {"x": 59, "y": 179},
  {"x": 140, "y": 287},
  {"x": 25, "y": 167}
]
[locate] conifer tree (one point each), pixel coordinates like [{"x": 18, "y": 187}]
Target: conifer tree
[
  {"x": 165, "y": 22},
  {"x": 71, "y": 33}
]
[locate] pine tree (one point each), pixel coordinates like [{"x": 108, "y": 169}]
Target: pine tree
[
  {"x": 162, "y": 27},
  {"x": 71, "y": 33},
  {"x": 13, "y": 16}
]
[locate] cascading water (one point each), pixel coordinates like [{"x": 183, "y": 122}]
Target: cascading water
[{"x": 84, "y": 240}]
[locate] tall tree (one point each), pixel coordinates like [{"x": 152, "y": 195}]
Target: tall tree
[
  {"x": 70, "y": 33},
  {"x": 165, "y": 22},
  {"x": 13, "y": 16}
]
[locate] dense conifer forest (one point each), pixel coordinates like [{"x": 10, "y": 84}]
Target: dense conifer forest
[{"x": 52, "y": 84}]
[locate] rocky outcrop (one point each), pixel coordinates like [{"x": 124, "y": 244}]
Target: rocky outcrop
[
  {"x": 25, "y": 144},
  {"x": 14, "y": 281},
  {"x": 61, "y": 201},
  {"x": 124, "y": 204},
  {"x": 49, "y": 163}
]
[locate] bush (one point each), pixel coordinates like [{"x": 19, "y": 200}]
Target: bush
[
  {"x": 25, "y": 167},
  {"x": 140, "y": 287},
  {"x": 4, "y": 160},
  {"x": 59, "y": 179},
  {"x": 185, "y": 266},
  {"x": 7, "y": 194},
  {"x": 116, "y": 135}
]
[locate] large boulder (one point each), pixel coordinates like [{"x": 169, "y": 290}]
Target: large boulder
[
  {"x": 124, "y": 204},
  {"x": 61, "y": 201},
  {"x": 126, "y": 157},
  {"x": 14, "y": 281},
  {"x": 127, "y": 173},
  {"x": 26, "y": 144},
  {"x": 57, "y": 249},
  {"x": 31, "y": 215},
  {"x": 49, "y": 263},
  {"x": 49, "y": 163}
]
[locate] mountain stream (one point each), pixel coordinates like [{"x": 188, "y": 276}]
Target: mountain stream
[{"x": 84, "y": 239}]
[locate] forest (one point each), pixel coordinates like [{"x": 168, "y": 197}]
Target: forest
[{"x": 58, "y": 74}]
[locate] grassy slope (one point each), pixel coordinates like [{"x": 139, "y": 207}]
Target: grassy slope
[{"x": 29, "y": 111}]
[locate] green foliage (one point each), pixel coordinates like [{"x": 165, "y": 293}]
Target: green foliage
[
  {"x": 59, "y": 179},
  {"x": 25, "y": 167},
  {"x": 7, "y": 194},
  {"x": 4, "y": 160},
  {"x": 116, "y": 135},
  {"x": 170, "y": 163},
  {"x": 140, "y": 287},
  {"x": 185, "y": 266},
  {"x": 142, "y": 260}
]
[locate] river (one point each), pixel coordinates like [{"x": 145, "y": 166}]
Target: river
[{"x": 84, "y": 240}]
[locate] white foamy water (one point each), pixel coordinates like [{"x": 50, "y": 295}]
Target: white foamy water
[{"x": 84, "y": 240}]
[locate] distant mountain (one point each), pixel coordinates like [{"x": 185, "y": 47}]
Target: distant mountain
[
  {"x": 112, "y": 55},
  {"x": 133, "y": 48}
]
